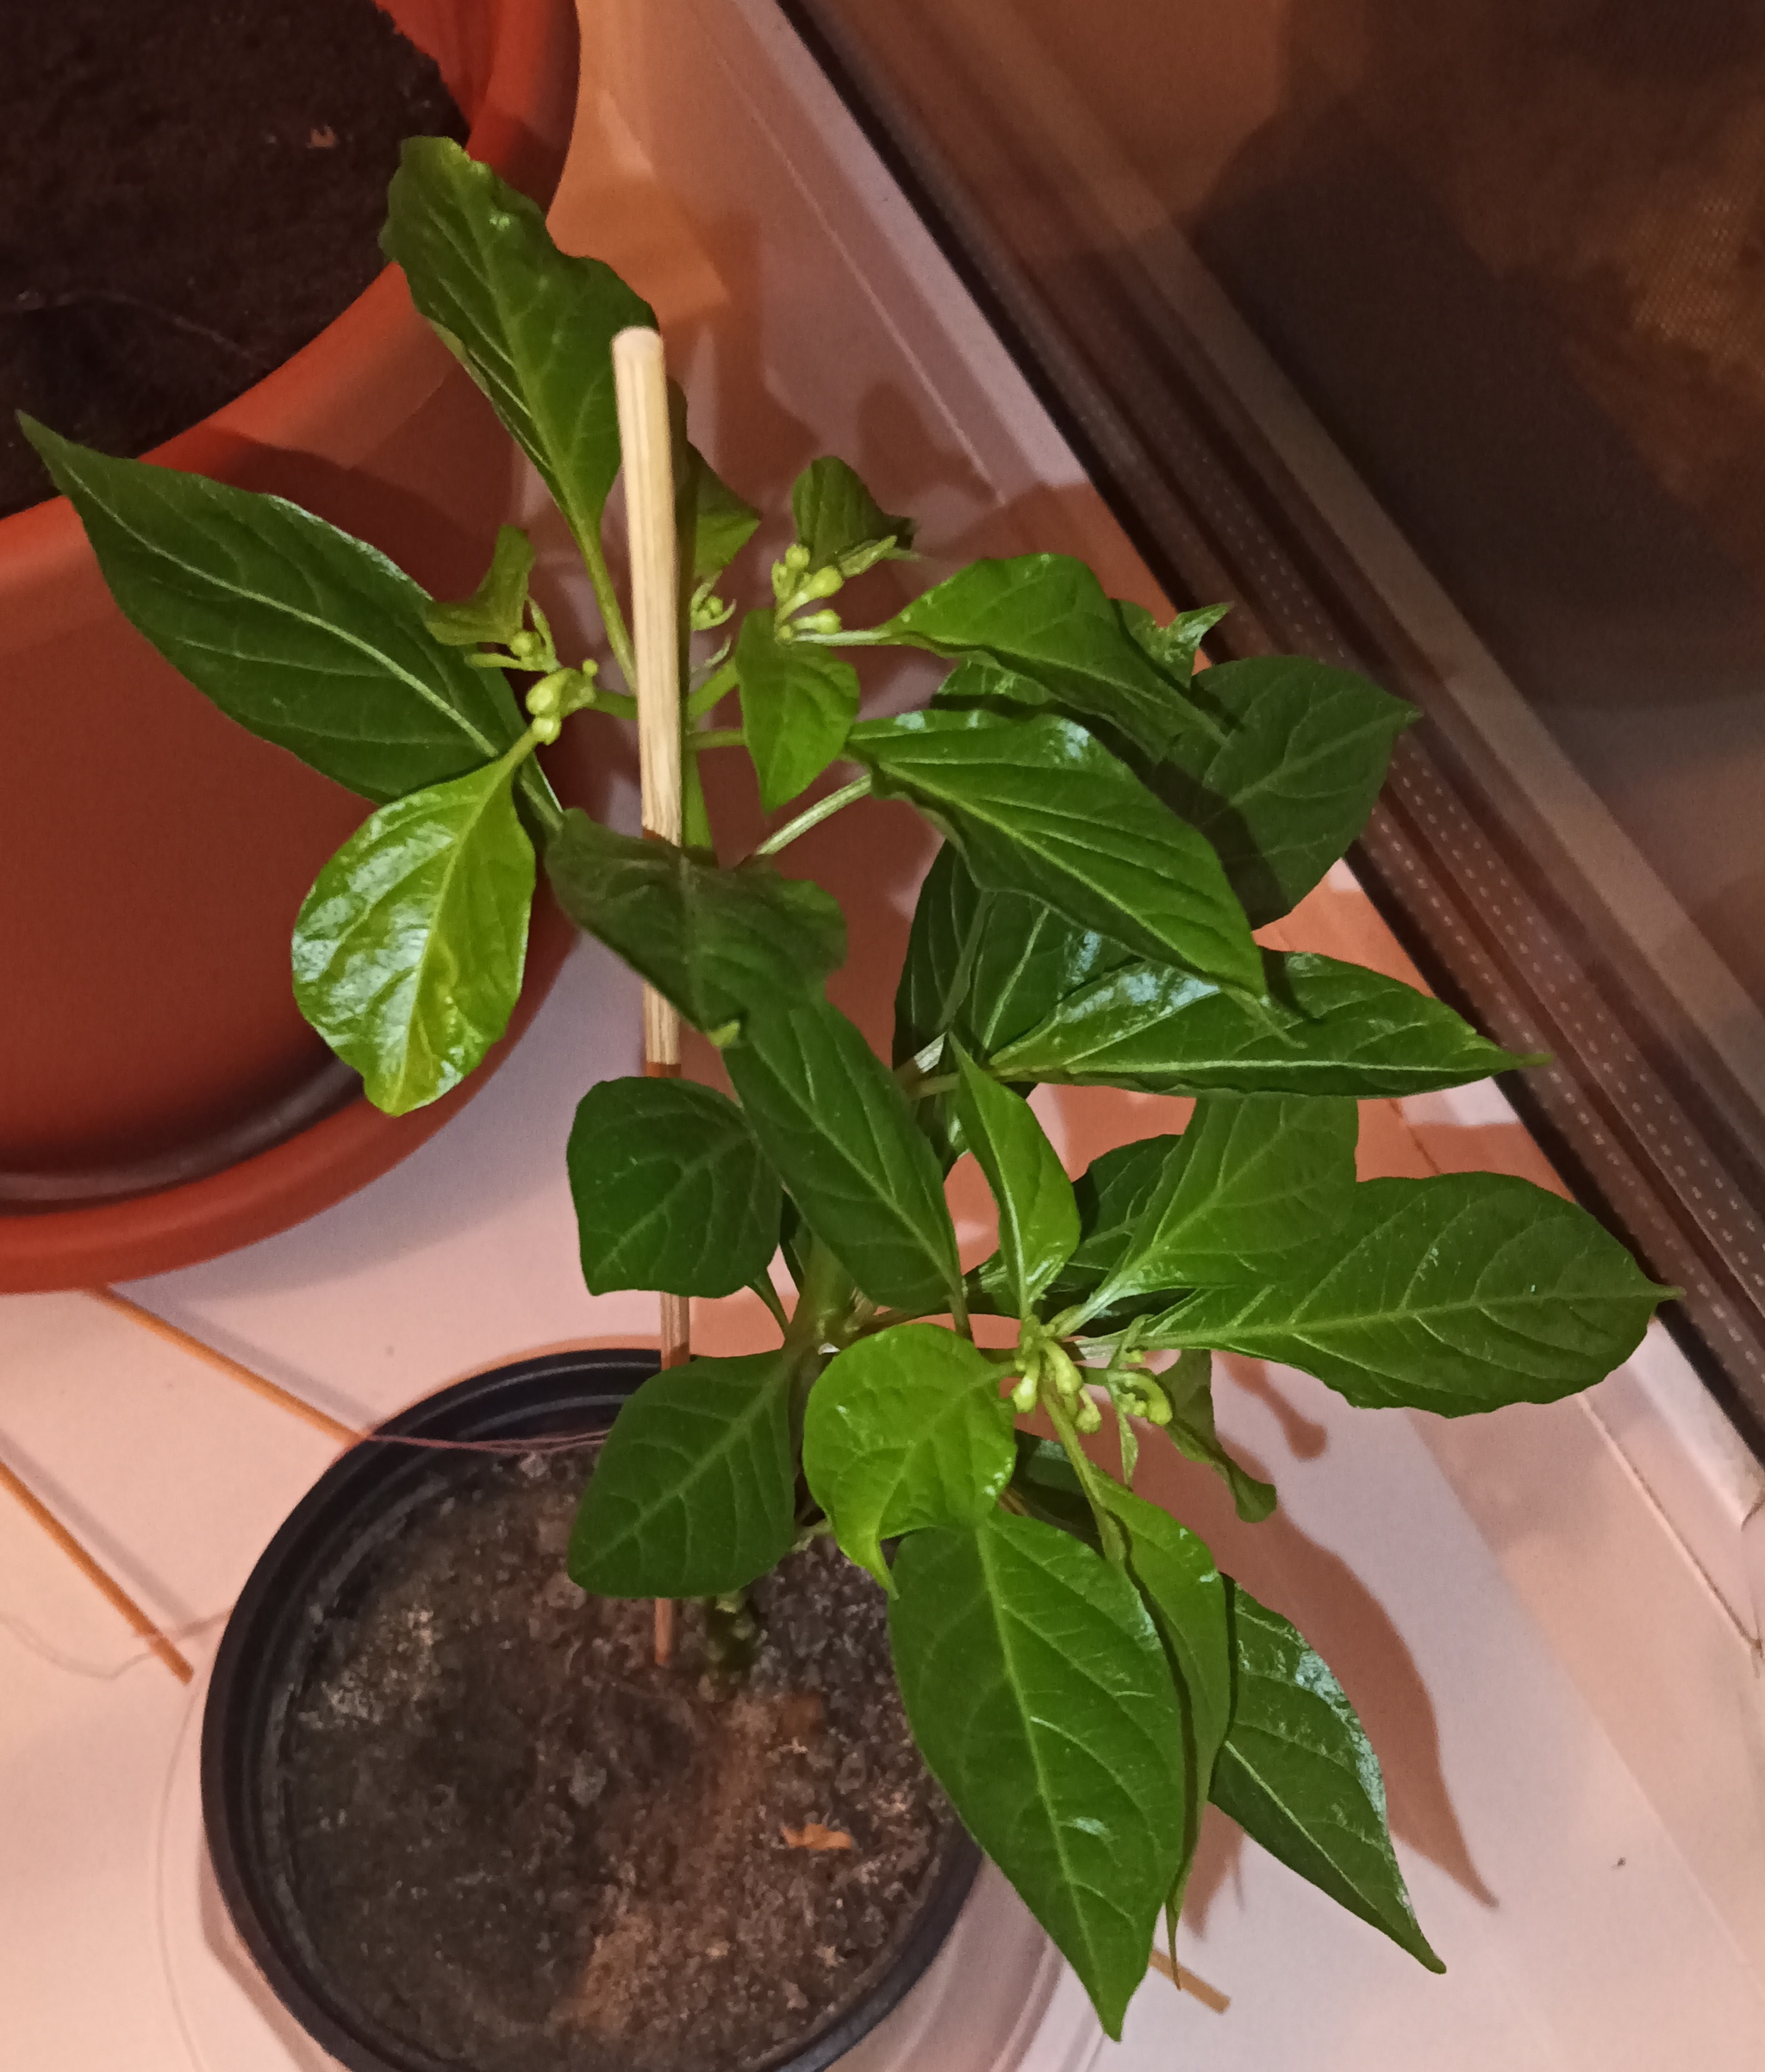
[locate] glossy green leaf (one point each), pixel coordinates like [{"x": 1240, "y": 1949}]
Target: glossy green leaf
[
  {"x": 1189, "y": 1386},
  {"x": 496, "y": 610},
  {"x": 948, "y": 917},
  {"x": 1045, "y": 617},
  {"x": 837, "y": 1128},
  {"x": 1173, "y": 647},
  {"x": 716, "y": 943},
  {"x": 1255, "y": 1188},
  {"x": 1039, "y": 1220},
  {"x": 1339, "y": 1029},
  {"x": 841, "y": 523},
  {"x": 1175, "y": 1574},
  {"x": 532, "y": 327},
  {"x": 1454, "y": 1293},
  {"x": 694, "y": 1494},
  {"x": 1038, "y": 1693},
  {"x": 1109, "y": 1196},
  {"x": 1298, "y": 1775},
  {"x": 1038, "y": 806},
  {"x": 1290, "y": 787},
  {"x": 408, "y": 950},
  {"x": 310, "y": 639},
  {"x": 797, "y": 703},
  {"x": 722, "y": 522},
  {"x": 670, "y": 1190},
  {"x": 905, "y": 1430}
]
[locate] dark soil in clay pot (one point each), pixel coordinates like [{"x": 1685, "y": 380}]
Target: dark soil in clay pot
[
  {"x": 189, "y": 191},
  {"x": 519, "y": 1846}
]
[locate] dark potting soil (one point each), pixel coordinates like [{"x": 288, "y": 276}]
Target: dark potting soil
[
  {"x": 517, "y": 1844},
  {"x": 189, "y": 191}
]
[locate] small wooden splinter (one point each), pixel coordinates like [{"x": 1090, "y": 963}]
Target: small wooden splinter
[{"x": 640, "y": 382}]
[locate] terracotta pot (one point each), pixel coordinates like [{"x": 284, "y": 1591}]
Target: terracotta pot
[{"x": 160, "y": 1098}]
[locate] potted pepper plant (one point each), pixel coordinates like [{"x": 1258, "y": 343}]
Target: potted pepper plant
[{"x": 1078, "y": 1675}]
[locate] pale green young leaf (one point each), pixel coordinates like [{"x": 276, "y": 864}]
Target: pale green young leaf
[
  {"x": 1291, "y": 785},
  {"x": 1173, "y": 647},
  {"x": 1038, "y": 806},
  {"x": 534, "y": 327},
  {"x": 308, "y": 637},
  {"x": 408, "y": 950},
  {"x": 1454, "y": 1293},
  {"x": 694, "y": 1494},
  {"x": 841, "y": 523},
  {"x": 905, "y": 1430},
  {"x": 1039, "y": 1695},
  {"x": 670, "y": 1190},
  {"x": 716, "y": 943},
  {"x": 496, "y": 610},
  {"x": 1338, "y": 1028},
  {"x": 1298, "y": 1775},
  {"x": 835, "y": 1127},
  {"x": 797, "y": 702},
  {"x": 1039, "y": 1220}
]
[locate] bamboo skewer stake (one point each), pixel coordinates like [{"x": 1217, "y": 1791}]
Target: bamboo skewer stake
[
  {"x": 94, "y": 1574},
  {"x": 640, "y": 379}
]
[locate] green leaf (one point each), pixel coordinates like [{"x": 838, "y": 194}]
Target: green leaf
[
  {"x": 1109, "y": 1196},
  {"x": 1288, "y": 789},
  {"x": 837, "y": 1128},
  {"x": 310, "y": 639},
  {"x": 1038, "y": 1692},
  {"x": 408, "y": 950},
  {"x": 841, "y": 523},
  {"x": 905, "y": 1430},
  {"x": 496, "y": 610},
  {"x": 1454, "y": 1293},
  {"x": 1345, "y": 1030},
  {"x": 948, "y": 917},
  {"x": 722, "y": 522},
  {"x": 1039, "y": 1220},
  {"x": 1037, "y": 805},
  {"x": 1173, "y": 647},
  {"x": 1255, "y": 1188},
  {"x": 716, "y": 943},
  {"x": 532, "y": 327},
  {"x": 1189, "y": 1386},
  {"x": 695, "y": 1492},
  {"x": 1045, "y": 1483},
  {"x": 1186, "y": 1594},
  {"x": 797, "y": 702},
  {"x": 1044, "y": 616},
  {"x": 670, "y": 1190},
  {"x": 1298, "y": 1775}
]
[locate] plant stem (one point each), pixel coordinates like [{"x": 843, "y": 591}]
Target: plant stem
[
  {"x": 606, "y": 597},
  {"x": 711, "y": 692},
  {"x": 1090, "y": 1479},
  {"x": 715, "y": 737},
  {"x": 823, "y": 810}
]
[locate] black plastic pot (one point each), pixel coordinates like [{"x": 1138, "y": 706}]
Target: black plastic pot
[{"x": 270, "y": 1640}]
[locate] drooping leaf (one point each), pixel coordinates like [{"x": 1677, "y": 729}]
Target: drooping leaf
[
  {"x": 1186, "y": 1594},
  {"x": 1173, "y": 647},
  {"x": 797, "y": 702},
  {"x": 722, "y": 522},
  {"x": 1189, "y": 1386},
  {"x": 408, "y": 950},
  {"x": 694, "y": 1493},
  {"x": 670, "y": 1190},
  {"x": 1045, "y": 617},
  {"x": 532, "y": 327},
  {"x": 1289, "y": 788},
  {"x": 1454, "y": 1293},
  {"x": 496, "y": 610},
  {"x": 1039, "y": 1695},
  {"x": 1341, "y": 1029},
  {"x": 1038, "y": 806},
  {"x": 905, "y": 1430},
  {"x": 1254, "y": 1190},
  {"x": 837, "y": 1128},
  {"x": 716, "y": 943},
  {"x": 308, "y": 637},
  {"x": 1039, "y": 1220},
  {"x": 1298, "y": 1775},
  {"x": 841, "y": 523}
]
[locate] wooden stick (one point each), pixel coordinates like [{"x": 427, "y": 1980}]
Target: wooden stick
[
  {"x": 258, "y": 1384},
  {"x": 640, "y": 379},
  {"x": 90, "y": 1569}
]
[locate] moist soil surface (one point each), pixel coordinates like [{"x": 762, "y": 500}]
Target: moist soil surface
[
  {"x": 516, "y": 1843},
  {"x": 189, "y": 191}
]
